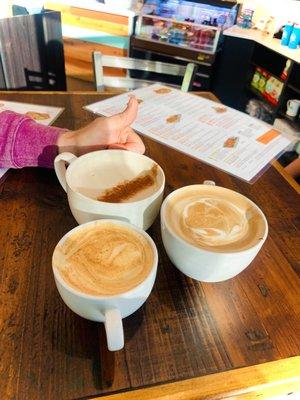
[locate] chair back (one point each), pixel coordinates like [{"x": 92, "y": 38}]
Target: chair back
[{"x": 99, "y": 61}]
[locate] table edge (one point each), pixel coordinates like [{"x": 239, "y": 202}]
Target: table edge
[
  {"x": 80, "y": 92},
  {"x": 265, "y": 380},
  {"x": 286, "y": 176}
]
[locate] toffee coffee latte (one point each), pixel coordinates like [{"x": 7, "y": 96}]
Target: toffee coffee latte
[
  {"x": 104, "y": 260},
  {"x": 215, "y": 219}
]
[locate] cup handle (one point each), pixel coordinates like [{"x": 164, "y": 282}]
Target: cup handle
[
  {"x": 288, "y": 104},
  {"x": 114, "y": 329},
  {"x": 60, "y": 167},
  {"x": 211, "y": 183}
]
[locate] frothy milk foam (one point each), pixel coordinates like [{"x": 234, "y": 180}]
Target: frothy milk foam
[
  {"x": 105, "y": 259},
  {"x": 215, "y": 219}
]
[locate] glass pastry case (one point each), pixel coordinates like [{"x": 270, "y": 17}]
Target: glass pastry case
[
  {"x": 182, "y": 31},
  {"x": 177, "y": 33}
]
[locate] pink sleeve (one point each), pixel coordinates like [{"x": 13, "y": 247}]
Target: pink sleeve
[{"x": 25, "y": 143}]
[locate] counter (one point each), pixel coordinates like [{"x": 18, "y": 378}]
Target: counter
[{"x": 263, "y": 39}]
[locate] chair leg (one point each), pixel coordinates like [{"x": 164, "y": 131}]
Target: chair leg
[
  {"x": 98, "y": 71},
  {"x": 188, "y": 78}
]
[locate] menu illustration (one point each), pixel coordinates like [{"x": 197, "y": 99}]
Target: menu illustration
[{"x": 217, "y": 135}]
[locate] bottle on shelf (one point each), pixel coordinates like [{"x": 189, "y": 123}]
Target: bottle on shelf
[
  {"x": 273, "y": 89},
  {"x": 295, "y": 37},
  {"x": 264, "y": 76},
  {"x": 285, "y": 72},
  {"x": 287, "y": 31},
  {"x": 256, "y": 78}
]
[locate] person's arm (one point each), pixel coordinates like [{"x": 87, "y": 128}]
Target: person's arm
[
  {"x": 105, "y": 133},
  {"x": 25, "y": 143}
]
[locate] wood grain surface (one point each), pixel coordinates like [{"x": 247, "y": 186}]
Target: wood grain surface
[
  {"x": 246, "y": 383},
  {"x": 185, "y": 330}
]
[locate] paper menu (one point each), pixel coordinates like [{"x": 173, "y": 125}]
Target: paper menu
[
  {"x": 215, "y": 134},
  {"x": 45, "y": 115}
]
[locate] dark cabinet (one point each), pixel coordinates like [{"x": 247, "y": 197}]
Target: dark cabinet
[
  {"x": 31, "y": 52},
  {"x": 231, "y": 72},
  {"x": 235, "y": 67}
]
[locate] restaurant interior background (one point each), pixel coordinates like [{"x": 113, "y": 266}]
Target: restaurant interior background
[{"x": 239, "y": 49}]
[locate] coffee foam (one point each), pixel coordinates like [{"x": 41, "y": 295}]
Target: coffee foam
[
  {"x": 214, "y": 218},
  {"x": 104, "y": 260}
]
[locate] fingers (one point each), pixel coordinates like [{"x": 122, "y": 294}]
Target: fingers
[
  {"x": 133, "y": 143},
  {"x": 130, "y": 113},
  {"x": 128, "y": 116},
  {"x": 135, "y": 148}
]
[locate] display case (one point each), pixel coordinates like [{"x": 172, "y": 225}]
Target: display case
[
  {"x": 183, "y": 34},
  {"x": 181, "y": 31}
]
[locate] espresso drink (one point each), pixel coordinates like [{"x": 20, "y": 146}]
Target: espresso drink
[
  {"x": 215, "y": 219},
  {"x": 104, "y": 260}
]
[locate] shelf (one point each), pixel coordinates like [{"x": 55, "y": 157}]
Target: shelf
[
  {"x": 186, "y": 54},
  {"x": 206, "y": 51},
  {"x": 258, "y": 94},
  {"x": 274, "y": 75},
  {"x": 175, "y": 21},
  {"x": 293, "y": 88}
]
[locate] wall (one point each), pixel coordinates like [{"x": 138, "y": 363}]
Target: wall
[
  {"x": 5, "y": 8},
  {"x": 94, "y": 28}
]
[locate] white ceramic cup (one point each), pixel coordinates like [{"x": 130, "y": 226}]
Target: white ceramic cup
[
  {"x": 107, "y": 309},
  {"x": 293, "y": 107},
  {"x": 201, "y": 264},
  {"x": 99, "y": 170}
]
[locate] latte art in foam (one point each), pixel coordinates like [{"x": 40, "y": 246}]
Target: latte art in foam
[
  {"x": 213, "y": 222},
  {"x": 214, "y": 218},
  {"x": 104, "y": 260}
]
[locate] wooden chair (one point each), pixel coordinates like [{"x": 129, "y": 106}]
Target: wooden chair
[
  {"x": 31, "y": 52},
  {"x": 99, "y": 61}
]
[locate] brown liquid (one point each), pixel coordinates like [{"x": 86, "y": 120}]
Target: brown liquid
[
  {"x": 215, "y": 219},
  {"x": 130, "y": 188},
  {"x": 104, "y": 260}
]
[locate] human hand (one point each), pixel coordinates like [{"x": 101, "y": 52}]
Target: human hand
[{"x": 105, "y": 133}]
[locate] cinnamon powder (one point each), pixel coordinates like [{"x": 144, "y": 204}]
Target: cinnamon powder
[{"x": 129, "y": 188}]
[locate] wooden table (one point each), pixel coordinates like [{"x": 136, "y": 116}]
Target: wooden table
[{"x": 237, "y": 339}]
